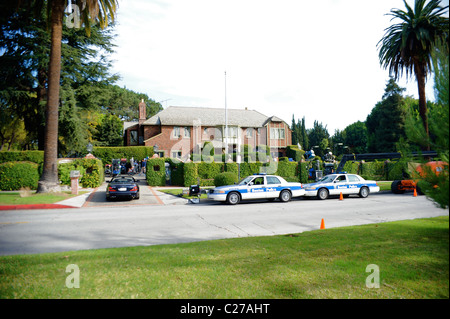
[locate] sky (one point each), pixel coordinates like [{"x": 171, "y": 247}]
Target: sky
[{"x": 289, "y": 58}]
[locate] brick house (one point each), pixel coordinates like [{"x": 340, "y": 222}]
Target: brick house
[{"x": 178, "y": 132}]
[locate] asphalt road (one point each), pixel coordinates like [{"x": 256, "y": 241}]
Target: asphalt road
[{"x": 122, "y": 225}]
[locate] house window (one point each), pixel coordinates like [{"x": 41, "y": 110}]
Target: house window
[
  {"x": 277, "y": 133},
  {"x": 249, "y": 132},
  {"x": 187, "y": 132},
  {"x": 176, "y": 131},
  {"x": 176, "y": 154},
  {"x": 232, "y": 131},
  {"x": 133, "y": 138}
]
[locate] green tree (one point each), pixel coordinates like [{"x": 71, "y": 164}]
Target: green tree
[
  {"x": 385, "y": 124},
  {"x": 91, "y": 12},
  {"x": 408, "y": 45},
  {"x": 318, "y": 138},
  {"x": 435, "y": 185},
  {"x": 110, "y": 131},
  {"x": 356, "y": 137}
]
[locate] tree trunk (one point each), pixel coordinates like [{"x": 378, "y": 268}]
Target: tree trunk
[
  {"x": 420, "y": 76},
  {"x": 49, "y": 180}
]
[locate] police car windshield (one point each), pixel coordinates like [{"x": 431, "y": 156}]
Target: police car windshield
[
  {"x": 246, "y": 180},
  {"x": 328, "y": 179}
]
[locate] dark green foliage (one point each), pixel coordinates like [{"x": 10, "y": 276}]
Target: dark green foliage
[
  {"x": 17, "y": 175},
  {"x": 190, "y": 174},
  {"x": 107, "y": 154},
  {"x": 91, "y": 171},
  {"x": 226, "y": 178},
  {"x": 30, "y": 156},
  {"x": 156, "y": 172},
  {"x": 292, "y": 151},
  {"x": 386, "y": 123}
]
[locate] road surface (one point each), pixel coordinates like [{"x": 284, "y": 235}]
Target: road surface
[{"x": 122, "y": 225}]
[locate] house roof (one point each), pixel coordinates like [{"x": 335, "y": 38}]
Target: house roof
[{"x": 188, "y": 116}]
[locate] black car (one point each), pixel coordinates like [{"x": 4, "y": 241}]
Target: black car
[{"x": 122, "y": 187}]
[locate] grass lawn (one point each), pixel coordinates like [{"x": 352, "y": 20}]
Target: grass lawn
[
  {"x": 179, "y": 192},
  {"x": 13, "y": 198},
  {"x": 412, "y": 257},
  {"x": 384, "y": 185}
]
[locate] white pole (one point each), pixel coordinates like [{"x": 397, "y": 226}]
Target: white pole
[{"x": 226, "y": 119}]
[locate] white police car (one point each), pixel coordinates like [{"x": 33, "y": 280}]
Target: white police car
[
  {"x": 346, "y": 184},
  {"x": 256, "y": 187}
]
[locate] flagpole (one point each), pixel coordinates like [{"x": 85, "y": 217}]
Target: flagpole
[{"x": 226, "y": 120}]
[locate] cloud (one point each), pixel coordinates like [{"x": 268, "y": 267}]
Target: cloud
[{"x": 316, "y": 59}]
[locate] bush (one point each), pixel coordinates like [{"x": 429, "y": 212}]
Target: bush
[
  {"x": 91, "y": 171},
  {"x": 176, "y": 172},
  {"x": 15, "y": 175},
  {"x": 94, "y": 172},
  {"x": 156, "y": 172},
  {"x": 107, "y": 154},
  {"x": 226, "y": 178},
  {"x": 287, "y": 169},
  {"x": 190, "y": 174},
  {"x": 295, "y": 153},
  {"x": 22, "y": 156}
]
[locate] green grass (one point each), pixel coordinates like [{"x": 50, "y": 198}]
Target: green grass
[
  {"x": 384, "y": 185},
  {"x": 412, "y": 257},
  {"x": 179, "y": 192},
  {"x": 13, "y": 198}
]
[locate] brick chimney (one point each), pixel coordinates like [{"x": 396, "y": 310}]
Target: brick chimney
[{"x": 142, "y": 112}]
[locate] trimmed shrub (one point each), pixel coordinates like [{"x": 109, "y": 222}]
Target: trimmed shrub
[
  {"x": 107, "y": 154},
  {"x": 190, "y": 174},
  {"x": 287, "y": 169},
  {"x": 15, "y": 175},
  {"x": 176, "y": 171},
  {"x": 94, "y": 172},
  {"x": 295, "y": 153},
  {"x": 209, "y": 170},
  {"x": 91, "y": 171},
  {"x": 225, "y": 178},
  {"x": 302, "y": 172},
  {"x": 232, "y": 168},
  {"x": 64, "y": 171},
  {"x": 156, "y": 172},
  {"x": 22, "y": 156}
]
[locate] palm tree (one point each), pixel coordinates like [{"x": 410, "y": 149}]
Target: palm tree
[
  {"x": 91, "y": 11},
  {"x": 408, "y": 45}
]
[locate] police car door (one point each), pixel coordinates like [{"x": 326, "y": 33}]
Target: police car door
[
  {"x": 340, "y": 185},
  {"x": 273, "y": 187},
  {"x": 256, "y": 188},
  {"x": 354, "y": 184}
]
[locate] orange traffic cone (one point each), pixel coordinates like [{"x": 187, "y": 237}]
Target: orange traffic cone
[
  {"x": 415, "y": 192},
  {"x": 322, "y": 224},
  {"x": 341, "y": 197}
]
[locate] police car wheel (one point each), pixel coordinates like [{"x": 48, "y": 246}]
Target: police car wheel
[
  {"x": 285, "y": 196},
  {"x": 322, "y": 193},
  {"x": 364, "y": 192},
  {"x": 233, "y": 198}
]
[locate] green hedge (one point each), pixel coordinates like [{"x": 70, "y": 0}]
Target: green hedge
[
  {"x": 17, "y": 175},
  {"x": 156, "y": 172},
  {"x": 107, "y": 154},
  {"x": 292, "y": 151},
  {"x": 225, "y": 178},
  {"x": 91, "y": 171},
  {"x": 22, "y": 156}
]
